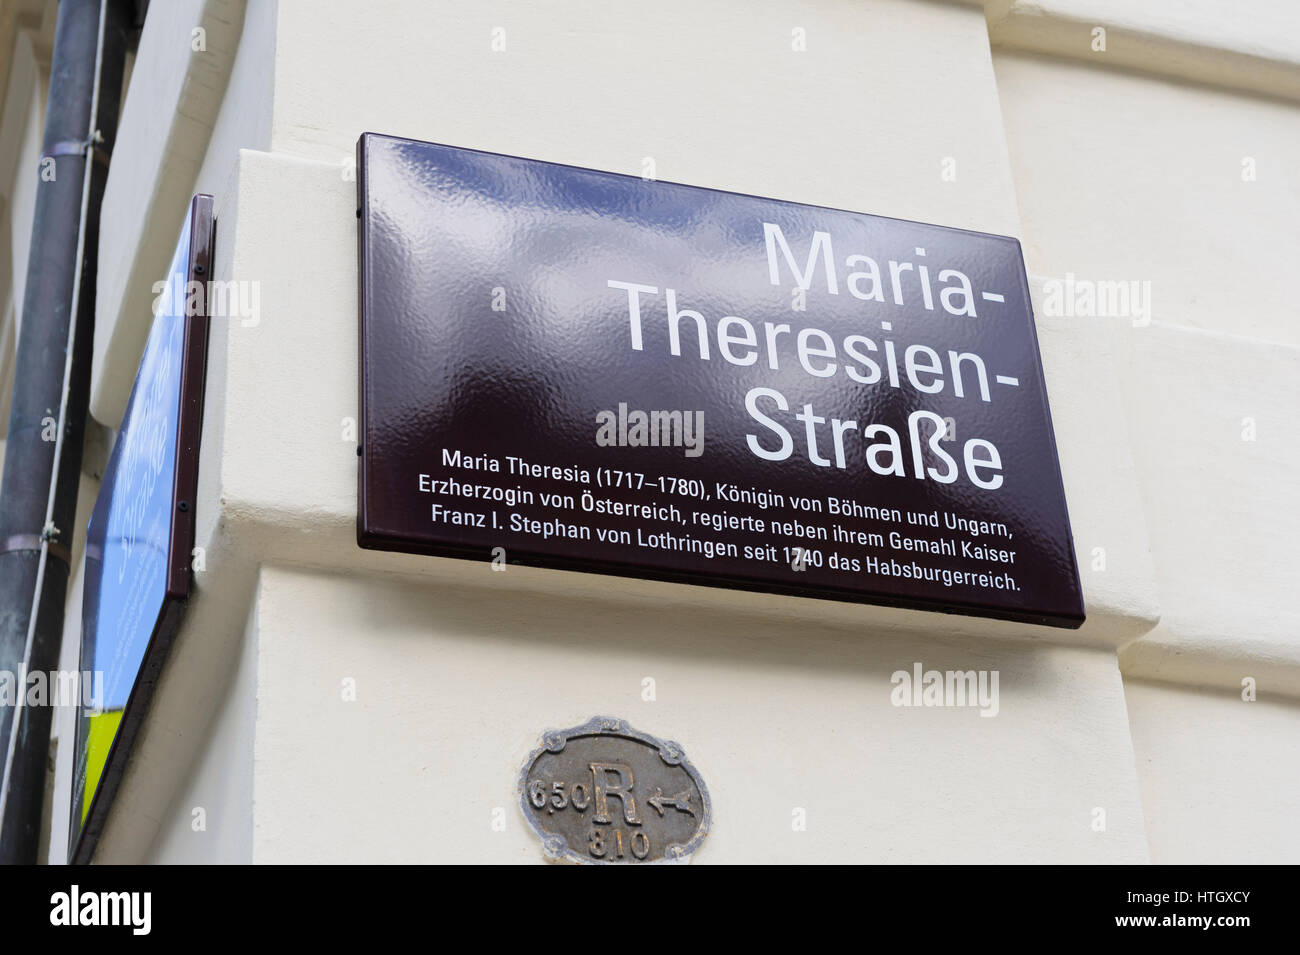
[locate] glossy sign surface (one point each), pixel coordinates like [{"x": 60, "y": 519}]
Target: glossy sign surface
[
  {"x": 141, "y": 533},
  {"x": 591, "y": 371}
]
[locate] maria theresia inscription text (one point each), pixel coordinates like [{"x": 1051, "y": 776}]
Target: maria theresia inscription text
[{"x": 689, "y": 517}]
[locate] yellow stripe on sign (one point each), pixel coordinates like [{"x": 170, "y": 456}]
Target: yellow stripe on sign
[{"x": 99, "y": 740}]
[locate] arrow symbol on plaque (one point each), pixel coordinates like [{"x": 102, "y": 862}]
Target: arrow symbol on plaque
[{"x": 681, "y": 801}]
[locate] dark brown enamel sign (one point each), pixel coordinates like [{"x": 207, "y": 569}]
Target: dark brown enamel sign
[{"x": 593, "y": 372}]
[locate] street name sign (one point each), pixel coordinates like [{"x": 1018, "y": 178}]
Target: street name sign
[{"x": 595, "y": 372}]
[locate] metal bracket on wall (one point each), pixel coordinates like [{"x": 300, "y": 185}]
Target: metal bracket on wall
[
  {"x": 32, "y": 542},
  {"x": 77, "y": 147}
]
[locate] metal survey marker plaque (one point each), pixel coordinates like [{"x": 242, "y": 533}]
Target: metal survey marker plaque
[{"x": 603, "y": 793}]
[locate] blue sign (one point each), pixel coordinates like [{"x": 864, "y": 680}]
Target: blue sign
[{"x": 137, "y": 572}]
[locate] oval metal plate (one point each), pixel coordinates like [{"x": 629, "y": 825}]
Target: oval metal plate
[{"x": 605, "y": 794}]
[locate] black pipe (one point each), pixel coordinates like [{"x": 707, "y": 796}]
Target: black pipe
[{"x": 38, "y": 391}]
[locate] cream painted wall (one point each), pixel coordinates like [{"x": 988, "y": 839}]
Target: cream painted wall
[
  {"x": 713, "y": 93},
  {"x": 179, "y": 78},
  {"x": 1249, "y": 45},
  {"x": 1218, "y": 774},
  {"x": 455, "y": 685},
  {"x": 1125, "y": 176},
  {"x": 1209, "y": 379},
  {"x": 1209, "y": 390},
  {"x": 210, "y": 820}
]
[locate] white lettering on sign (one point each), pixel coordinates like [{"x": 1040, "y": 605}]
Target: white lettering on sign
[{"x": 873, "y": 360}]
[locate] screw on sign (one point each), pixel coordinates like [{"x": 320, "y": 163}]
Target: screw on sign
[{"x": 603, "y": 793}]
